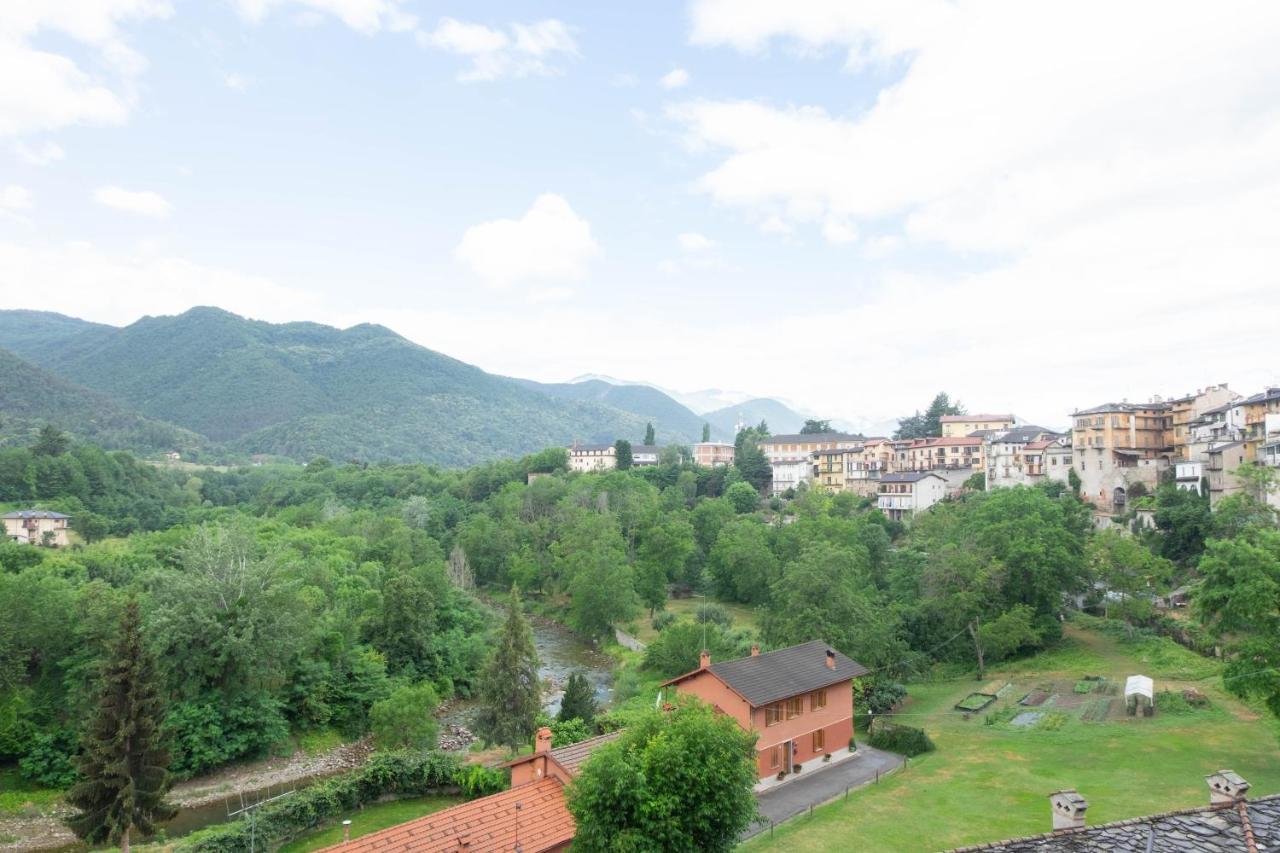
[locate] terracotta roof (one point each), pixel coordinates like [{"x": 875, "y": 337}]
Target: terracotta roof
[
  {"x": 773, "y": 676},
  {"x": 489, "y": 823},
  {"x": 1208, "y": 828},
  {"x": 571, "y": 757}
]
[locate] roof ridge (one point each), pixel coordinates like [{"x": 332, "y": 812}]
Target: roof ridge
[{"x": 1131, "y": 821}]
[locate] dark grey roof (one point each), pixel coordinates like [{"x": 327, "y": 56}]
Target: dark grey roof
[
  {"x": 1217, "y": 829},
  {"x": 1261, "y": 396},
  {"x": 34, "y": 513},
  {"x": 1120, "y": 407},
  {"x": 1218, "y": 448},
  {"x": 796, "y": 438},
  {"x": 645, "y": 448},
  {"x": 1024, "y": 434},
  {"x": 908, "y": 477},
  {"x": 590, "y": 447},
  {"x": 772, "y": 676}
]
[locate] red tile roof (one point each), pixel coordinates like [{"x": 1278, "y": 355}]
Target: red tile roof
[{"x": 542, "y": 823}]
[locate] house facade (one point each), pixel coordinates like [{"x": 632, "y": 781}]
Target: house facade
[
  {"x": 903, "y": 494},
  {"x": 644, "y": 455},
  {"x": 798, "y": 699},
  {"x": 960, "y": 426},
  {"x": 38, "y": 527},
  {"x": 1116, "y": 445},
  {"x": 592, "y": 457},
  {"x": 712, "y": 454}
]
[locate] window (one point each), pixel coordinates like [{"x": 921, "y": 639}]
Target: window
[
  {"x": 774, "y": 757},
  {"x": 772, "y": 714},
  {"x": 817, "y": 699},
  {"x": 819, "y": 740},
  {"x": 795, "y": 707}
]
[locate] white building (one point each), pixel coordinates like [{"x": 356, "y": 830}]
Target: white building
[
  {"x": 789, "y": 474},
  {"x": 1189, "y": 475},
  {"x": 1009, "y": 463},
  {"x": 592, "y": 457},
  {"x": 643, "y": 455},
  {"x": 37, "y": 527},
  {"x": 903, "y": 495}
]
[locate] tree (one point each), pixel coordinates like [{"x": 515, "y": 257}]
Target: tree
[
  {"x": 1239, "y": 601},
  {"x": 1127, "y": 568},
  {"x": 649, "y": 438},
  {"x": 622, "y": 452},
  {"x": 404, "y": 719},
  {"x": 680, "y": 781},
  {"x": 815, "y": 427},
  {"x": 579, "y": 701},
  {"x": 602, "y": 594},
  {"x": 741, "y": 564},
  {"x": 1184, "y": 519},
  {"x": 406, "y": 632},
  {"x": 125, "y": 763},
  {"x": 706, "y": 432},
  {"x": 51, "y": 442},
  {"x": 749, "y": 460},
  {"x": 678, "y": 647},
  {"x": 930, "y": 423},
  {"x": 662, "y": 555},
  {"x": 743, "y": 496},
  {"x": 510, "y": 695},
  {"x": 1073, "y": 480},
  {"x": 977, "y": 481}
]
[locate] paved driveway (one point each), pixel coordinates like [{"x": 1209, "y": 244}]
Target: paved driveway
[{"x": 819, "y": 786}]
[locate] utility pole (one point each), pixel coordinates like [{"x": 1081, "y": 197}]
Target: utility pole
[{"x": 250, "y": 814}]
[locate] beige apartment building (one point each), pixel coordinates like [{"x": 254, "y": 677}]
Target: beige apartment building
[
  {"x": 592, "y": 457},
  {"x": 1187, "y": 409},
  {"x": 1116, "y": 445},
  {"x": 791, "y": 456},
  {"x": 940, "y": 454},
  {"x": 959, "y": 426},
  {"x": 712, "y": 454},
  {"x": 38, "y": 527}
]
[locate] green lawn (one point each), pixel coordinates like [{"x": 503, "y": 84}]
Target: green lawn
[
  {"x": 18, "y": 796},
  {"x": 744, "y": 616},
  {"x": 371, "y": 819},
  {"x": 986, "y": 783}
]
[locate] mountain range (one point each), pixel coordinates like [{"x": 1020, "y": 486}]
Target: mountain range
[{"x": 210, "y": 383}]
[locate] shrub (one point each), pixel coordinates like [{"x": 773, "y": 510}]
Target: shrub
[
  {"x": 905, "y": 740},
  {"x": 713, "y": 613},
  {"x": 406, "y": 774},
  {"x": 1169, "y": 702},
  {"x": 50, "y": 759},
  {"x": 403, "y": 720},
  {"x": 662, "y": 619},
  {"x": 881, "y": 697},
  {"x": 479, "y": 781}
]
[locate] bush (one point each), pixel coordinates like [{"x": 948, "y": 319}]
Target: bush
[
  {"x": 1169, "y": 702},
  {"x": 904, "y": 740},
  {"x": 881, "y": 697},
  {"x": 50, "y": 760},
  {"x": 662, "y": 619},
  {"x": 479, "y": 781},
  {"x": 405, "y": 774},
  {"x": 713, "y": 613},
  {"x": 403, "y": 720}
]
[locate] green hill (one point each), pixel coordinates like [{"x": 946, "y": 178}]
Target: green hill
[
  {"x": 31, "y": 397},
  {"x": 781, "y": 418},
  {"x": 671, "y": 420},
  {"x": 303, "y": 389}
]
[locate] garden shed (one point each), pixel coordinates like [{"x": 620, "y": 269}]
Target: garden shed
[{"x": 1139, "y": 692}]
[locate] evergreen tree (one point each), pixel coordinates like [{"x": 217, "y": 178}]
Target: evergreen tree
[
  {"x": 125, "y": 763},
  {"x": 579, "y": 702},
  {"x": 649, "y": 438},
  {"x": 51, "y": 442},
  {"x": 706, "y": 432},
  {"x": 815, "y": 427},
  {"x": 509, "y": 691},
  {"x": 622, "y": 451}
]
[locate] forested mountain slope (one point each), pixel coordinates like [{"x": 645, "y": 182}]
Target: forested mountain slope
[
  {"x": 304, "y": 389},
  {"x": 671, "y": 420}
]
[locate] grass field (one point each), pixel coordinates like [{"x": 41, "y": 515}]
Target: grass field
[
  {"x": 989, "y": 782},
  {"x": 743, "y": 615},
  {"x": 18, "y": 796},
  {"x": 371, "y": 819}
]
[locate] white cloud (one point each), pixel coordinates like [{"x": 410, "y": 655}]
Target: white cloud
[
  {"x": 141, "y": 202},
  {"x": 120, "y": 287},
  {"x": 691, "y": 241},
  {"x": 38, "y": 155},
  {"x": 549, "y": 242},
  {"x": 236, "y": 82},
  {"x": 676, "y": 78},
  {"x": 775, "y": 225},
  {"x": 364, "y": 16},
  {"x": 837, "y": 230},
  {"x": 539, "y": 295},
  {"x": 14, "y": 197},
  {"x": 48, "y": 90},
  {"x": 523, "y": 50}
]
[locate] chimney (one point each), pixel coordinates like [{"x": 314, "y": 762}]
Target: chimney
[
  {"x": 831, "y": 659},
  {"x": 1068, "y": 809},
  {"x": 755, "y": 650},
  {"x": 543, "y": 741},
  {"x": 1226, "y": 787},
  {"x": 704, "y": 659}
]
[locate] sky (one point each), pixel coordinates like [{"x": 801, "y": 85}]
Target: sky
[{"x": 847, "y": 205}]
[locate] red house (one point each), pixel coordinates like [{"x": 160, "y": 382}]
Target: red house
[{"x": 800, "y": 700}]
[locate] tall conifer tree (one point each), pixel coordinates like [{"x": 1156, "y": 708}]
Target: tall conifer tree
[
  {"x": 510, "y": 694},
  {"x": 648, "y": 435},
  {"x": 125, "y": 763},
  {"x": 579, "y": 702}
]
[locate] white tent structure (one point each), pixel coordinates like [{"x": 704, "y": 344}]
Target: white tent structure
[{"x": 1139, "y": 690}]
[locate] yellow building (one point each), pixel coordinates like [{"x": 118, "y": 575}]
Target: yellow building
[
  {"x": 829, "y": 468},
  {"x": 959, "y": 426},
  {"x": 1116, "y": 445},
  {"x": 1186, "y": 409},
  {"x": 1252, "y": 417}
]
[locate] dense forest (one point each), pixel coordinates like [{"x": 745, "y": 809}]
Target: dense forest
[{"x": 281, "y": 599}]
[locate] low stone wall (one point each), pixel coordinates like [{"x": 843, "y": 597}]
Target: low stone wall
[{"x": 627, "y": 641}]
